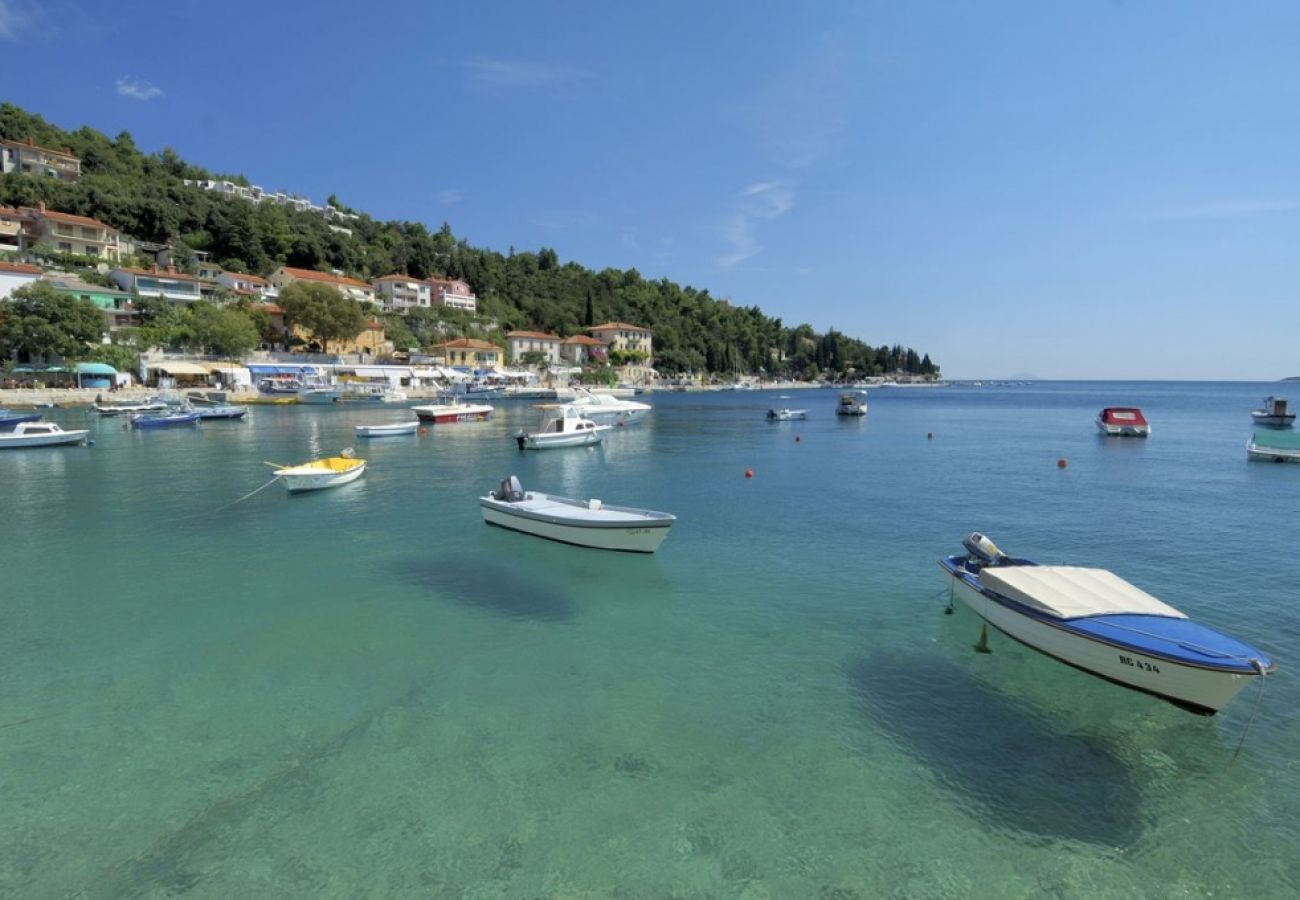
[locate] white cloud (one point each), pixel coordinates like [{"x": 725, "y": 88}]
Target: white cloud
[
  {"x": 450, "y": 196},
  {"x": 761, "y": 202},
  {"x": 12, "y": 21},
  {"x": 504, "y": 73},
  {"x": 136, "y": 88}
]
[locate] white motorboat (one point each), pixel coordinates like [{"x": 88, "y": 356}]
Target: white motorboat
[
  {"x": 127, "y": 409},
  {"x": 393, "y": 429},
  {"x": 1274, "y": 414},
  {"x": 39, "y": 434},
  {"x": 319, "y": 393},
  {"x": 604, "y": 407},
  {"x": 227, "y": 411},
  {"x": 318, "y": 474},
  {"x": 786, "y": 415},
  {"x": 1274, "y": 446},
  {"x": 1096, "y": 621},
  {"x": 586, "y": 523},
  {"x": 1123, "y": 421},
  {"x": 444, "y": 413},
  {"x": 852, "y": 403},
  {"x": 562, "y": 425}
]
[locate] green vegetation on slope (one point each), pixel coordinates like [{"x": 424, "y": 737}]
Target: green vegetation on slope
[{"x": 144, "y": 195}]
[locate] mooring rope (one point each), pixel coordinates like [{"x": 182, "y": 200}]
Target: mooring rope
[
  {"x": 1259, "y": 701},
  {"x": 273, "y": 480}
]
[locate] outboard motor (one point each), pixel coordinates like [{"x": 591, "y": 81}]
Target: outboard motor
[
  {"x": 511, "y": 491},
  {"x": 983, "y": 549}
]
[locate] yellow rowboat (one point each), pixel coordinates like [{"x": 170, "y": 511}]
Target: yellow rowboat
[
  {"x": 269, "y": 401},
  {"x": 329, "y": 472}
]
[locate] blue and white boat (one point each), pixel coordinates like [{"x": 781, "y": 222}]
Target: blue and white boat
[
  {"x": 227, "y": 411},
  {"x": 10, "y": 420},
  {"x": 1096, "y": 621},
  {"x": 164, "y": 420}
]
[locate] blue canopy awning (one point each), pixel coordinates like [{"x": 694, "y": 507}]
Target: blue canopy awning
[
  {"x": 258, "y": 369},
  {"x": 93, "y": 368}
]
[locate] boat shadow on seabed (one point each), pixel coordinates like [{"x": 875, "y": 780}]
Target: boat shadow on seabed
[
  {"x": 1004, "y": 762},
  {"x": 489, "y": 584}
]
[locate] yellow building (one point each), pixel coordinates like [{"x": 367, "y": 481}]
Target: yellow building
[
  {"x": 469, "y": 352},
  {"x": 371, "y": 340}
]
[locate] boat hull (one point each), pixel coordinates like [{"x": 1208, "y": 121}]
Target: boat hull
[
  {"x": 558, "y": 441},
  {"x": 318, "y": 396},
  {"x": 635, "y": 538},
  {"x": 63, "y": 438},
  {"x": 1265, "y": 453},
  {"x": 1200, "y": 690},
  {"x": 1272, "y": 421},
  {"x": 301, "y": 482},
  {"x": 153, "y": 421},
  {"x": 10, "y": 422},
  {"x": 222, "y": 412},
  {"x": 1111, "y": 430},
  {"x": 399, "y": 429},
  {"x": 451, "y": 413}
]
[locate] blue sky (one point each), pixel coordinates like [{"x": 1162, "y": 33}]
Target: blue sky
[{"x": 1092, "y": 189}]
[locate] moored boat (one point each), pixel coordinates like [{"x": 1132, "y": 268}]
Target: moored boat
[
  {"x": 164, "y": 420},
  {"x": 445, "y": 413},
  {"x": 605, "y": 407},
  {"x": 10, "y": 420},
  {"x": 39, "y": 434},
  {"x": 228, "y": 411},
  {"x": 131, "y": 408},
  {"x": 392, "y": 429},
  {"x": 1123, "y": 421},
  {"x": 586, "y": 523},
  {"x": 1094, "y": 620},
  {"x": 562, "y": 425},
  {"x": 318, "y": 474},
  {"x": 786, "y": 415},
  {"x": 1274, "y": 414},
  {"x": 1274, "y": 446},
  {"x": 852, "y": 403}
]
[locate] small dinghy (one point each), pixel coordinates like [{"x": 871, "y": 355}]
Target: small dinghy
[
  {"x": 446, "y": 413},
  {"x": 318, "y": 474},
  {"x": 786, "y": 415},
  {"x": 393, "y": 429},
  {"x": 1123, "y": 421},
  {"x": 585, "y": 523},
  {"x": 1096, "y": 621},
  {"x": 1274, "y": 446}
]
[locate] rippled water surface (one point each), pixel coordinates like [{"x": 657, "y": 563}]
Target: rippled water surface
[{"x": 367, "y": 692}]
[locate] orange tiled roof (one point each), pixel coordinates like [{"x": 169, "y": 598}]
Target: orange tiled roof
[
  {"x": 620, "y": 326},
  {"x": 64, "y": 217},
  {"x": 396, "y": 277},
  {"x": 29, "y": 146},
  {"x": 536, "y": 335},
  {"x": 325, "y": 277},
  {"x": 466, "y": 344},
  {"x": 584, "y": 339},
  {"x": 19, "y": 268}
]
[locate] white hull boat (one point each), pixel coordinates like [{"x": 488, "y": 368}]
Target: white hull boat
[
  {"x": 852, "y": 403},
  {"x": 585, "y": 523},
  {"x": 605, "y": 407},
  {"x": 786, "y": 415},
  {"x": 446, "y": 413},
  {"x": 1093, "y": 620},
  {"x": 319, "y": 474},
  {"x": 1274, "y": 414},
  {"x": 221, "y": 412},
  {"x": 39, "y": 434},
  {"x": 394, "y": 430},
  {"x": 319, "y": 395},
  {"x": 1274, "y": 446},
  {"x": 562, "y": 425},
  {"x": 126, "y": 409}
]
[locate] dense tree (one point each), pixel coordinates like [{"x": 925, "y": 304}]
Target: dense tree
[
  {"x": 322, "y": 311},
  {"x": 38, "y": 320},
  {"x": 222, "y": 330},
  {"x": 145, "y": 196}
]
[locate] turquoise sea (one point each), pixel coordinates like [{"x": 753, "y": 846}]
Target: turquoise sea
[{"x": 366, "y": 692}]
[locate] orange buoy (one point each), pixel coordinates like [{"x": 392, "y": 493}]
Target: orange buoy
[
  {"x": 424, "y": 431},
  {"x": 1061, "y": 463},
  {"x": 749, "y": 473}
]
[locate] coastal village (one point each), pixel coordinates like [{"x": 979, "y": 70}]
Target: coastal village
[{"x": 528, "y": 356}]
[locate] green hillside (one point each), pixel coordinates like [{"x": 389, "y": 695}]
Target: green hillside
[{"x": 144, "y": 195}]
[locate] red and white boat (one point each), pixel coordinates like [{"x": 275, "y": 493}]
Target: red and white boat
[
  {"x": 1123, "y": 421},
  {"x": 444, "y": 413}
]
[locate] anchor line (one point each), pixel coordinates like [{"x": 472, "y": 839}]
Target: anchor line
[{"x": 1259, "y": 702}]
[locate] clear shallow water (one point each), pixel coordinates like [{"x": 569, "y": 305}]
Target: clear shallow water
[{"x": 367, "y": 692}]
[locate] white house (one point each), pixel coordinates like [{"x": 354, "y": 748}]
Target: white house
[
  {"x": 170, "y": 284},
  {"x": 348, "y": 287},
  {"x": 520, "y": 342},
  {"x": 15, "y": 275},
  {"x": 247, "y": 285},
  {"x": 399, "y": 293}
]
